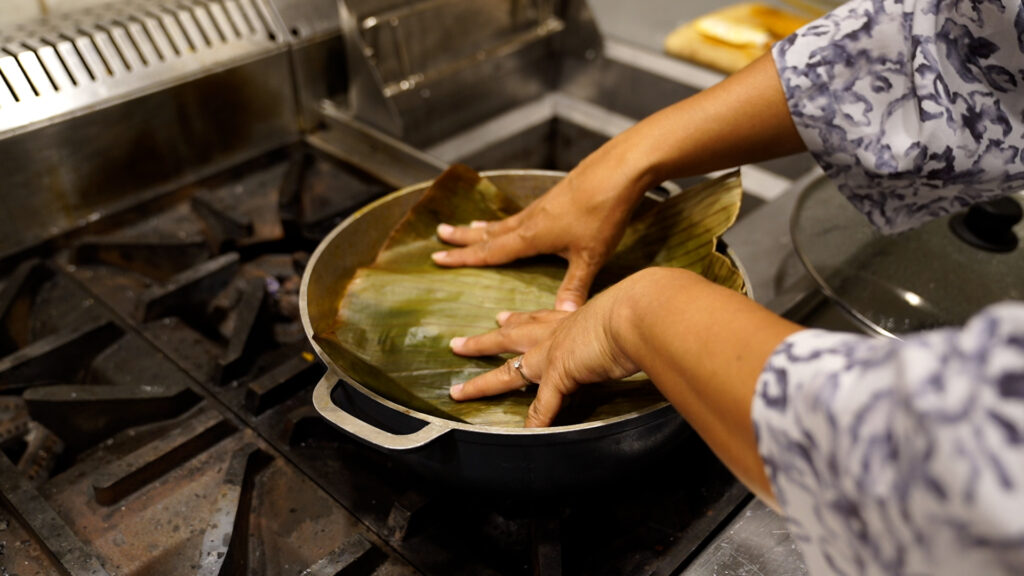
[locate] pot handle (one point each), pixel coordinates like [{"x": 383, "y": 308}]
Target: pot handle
[{"x": 367, "y": 432}]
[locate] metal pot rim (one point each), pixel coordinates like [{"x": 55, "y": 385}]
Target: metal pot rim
[{"x": 333, "y": 371}]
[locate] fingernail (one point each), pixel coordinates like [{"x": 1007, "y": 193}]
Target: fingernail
[
  {"x": 478, "y": 224},
  {"x": 457, "y": 342},
  {"x": 455, "y": 390},
  {"x": 445, "y": 229},
  {"x": 502, "y": 316},
  {"x": 439, "y": 256},
  {"x": 567, "y": 306}
]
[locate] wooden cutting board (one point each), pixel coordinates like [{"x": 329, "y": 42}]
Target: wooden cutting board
[{"x": 730, "y": 38}]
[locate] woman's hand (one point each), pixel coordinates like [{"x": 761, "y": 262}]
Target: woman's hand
[
  {"x": 517, "y": 332},
  {"x": 581, "y": 219},
  {"x": 702, "y": 345},
  {"x": 562, "y": 350},
  {"x": 742, "y": 119}
]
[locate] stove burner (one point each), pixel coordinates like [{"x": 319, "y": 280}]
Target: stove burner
[
  {"x": 156, "y": 417},
  {"x": 14, "y": 419},
  {"x": 157, "y": 247},
  {"x": 355, "y": 556},
  {"x": 329, "y": 193},
  {"x": 46, "y": 526},
  {"x": 226, "y": 538},
  {"x": 34, "y": 448},
  {"x": 39, "y": 302},
  {"x": 42, "y": 449},
  {"x": 408, "y": 511},
  {"x": 56, "y": 358},
  {"x": 188, "y": 291},
  {"x": 272, "y": 388},
  {"x": 81, "y": 379},
  {"x": 243, "y": 212},
  {"x": 242, "y": 331},
  {"x": 126, "y": 476}
]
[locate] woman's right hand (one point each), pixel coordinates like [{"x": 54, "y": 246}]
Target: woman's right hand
[
  {"x": 743, "y": 119},
  {"x": 581, "y": 219}
]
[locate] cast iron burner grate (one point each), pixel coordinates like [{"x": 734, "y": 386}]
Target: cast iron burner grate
[
  {"x": 115, "y": 461},
  {"x": 156, "y": 418}
]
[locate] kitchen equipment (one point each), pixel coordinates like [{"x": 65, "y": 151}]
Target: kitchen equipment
[
  {"x": 414, "y": 62},
  {"x": 156, "y": 388},
  {"x": 497, "y": 459},
  {"x": 105, "y": 107},
  {"x": 938, "y": 274}
]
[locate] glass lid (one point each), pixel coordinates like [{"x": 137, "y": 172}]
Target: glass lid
[{"x": 939, "y": 274}]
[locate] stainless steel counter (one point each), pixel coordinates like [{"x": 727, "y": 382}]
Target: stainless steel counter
[{"x": 756, "y": 542}]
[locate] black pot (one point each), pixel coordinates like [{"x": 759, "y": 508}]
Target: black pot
[{"x": 520, "y": 461}]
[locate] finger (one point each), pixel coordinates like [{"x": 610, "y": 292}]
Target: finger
[
  {"x": 576, "y": 284},
  {"x": 493, "y": 252},
  {"x": 505, "y": 339},
  {"x": 545, "y": 407},
  {"x": 477, "y": 231},
  {"x": 504, "y": 226},
  {"x": 497, "y": 381},
  {"x": 462, "y": 235},
  {"x": 513, "y": 319}
]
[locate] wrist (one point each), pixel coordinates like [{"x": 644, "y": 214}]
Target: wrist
[
  {"x": 642, "y": 301},
  {"x": 634, "y": 169}
]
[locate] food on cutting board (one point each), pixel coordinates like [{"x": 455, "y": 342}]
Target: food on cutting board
[{"x": 730, "y": 38}]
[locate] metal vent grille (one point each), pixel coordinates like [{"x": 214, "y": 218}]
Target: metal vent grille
[{"x": 77, "y": 60}]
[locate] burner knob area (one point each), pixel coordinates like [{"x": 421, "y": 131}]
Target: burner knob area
[{"x": 989, "y": 225}]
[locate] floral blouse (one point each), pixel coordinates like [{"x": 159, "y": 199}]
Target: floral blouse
[{"x": 905, "y": 457}]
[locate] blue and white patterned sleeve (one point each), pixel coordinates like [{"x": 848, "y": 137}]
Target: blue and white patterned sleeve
[
  {"x": 905, "y": 457},
  {"x": 893, "y": 457},
  {"x": 912, "y": 107}
]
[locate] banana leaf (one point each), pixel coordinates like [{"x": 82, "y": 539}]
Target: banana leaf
[{"x": 399, "y": 314}]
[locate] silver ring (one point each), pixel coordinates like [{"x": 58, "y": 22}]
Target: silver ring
[{"x": 517, "y": 363}]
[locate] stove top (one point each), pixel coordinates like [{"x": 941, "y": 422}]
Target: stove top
[{"x": 156, "y": 416}]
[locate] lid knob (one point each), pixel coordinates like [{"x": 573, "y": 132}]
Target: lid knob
[{"x": 989, "y": 225}]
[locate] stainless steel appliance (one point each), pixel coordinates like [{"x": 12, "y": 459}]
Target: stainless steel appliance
[{"x": 165, "y": 170}]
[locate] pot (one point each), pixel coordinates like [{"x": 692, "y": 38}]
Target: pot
[
  {"x": 938, "y": 274},
  {"x": 480, "y": 458}
]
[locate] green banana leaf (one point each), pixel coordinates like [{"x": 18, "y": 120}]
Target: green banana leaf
[{"x": 398, "y": 315}]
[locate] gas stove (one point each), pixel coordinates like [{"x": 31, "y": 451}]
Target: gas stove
[
  {"x": 157, "y": 417},
  {"x": 155, "y": 380}
]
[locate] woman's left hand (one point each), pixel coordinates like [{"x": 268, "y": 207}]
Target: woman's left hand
[
  {"x": 702, "y": 345},
  {"x": 560, "y": 351}
]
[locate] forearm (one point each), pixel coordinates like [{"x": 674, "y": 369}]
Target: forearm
[
  {"x": 741, "y": 120},
  {"x": 704, "y": 347}
]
